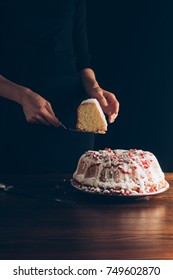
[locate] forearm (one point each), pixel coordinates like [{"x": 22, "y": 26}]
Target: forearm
[
  {"x": 11, "y": 90},
  {"x": 89, "y": 80}
]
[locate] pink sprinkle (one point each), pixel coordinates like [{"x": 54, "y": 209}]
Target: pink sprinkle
[
  {"x": 108, "y": 149},
  {"x": 141, "y": 191}
]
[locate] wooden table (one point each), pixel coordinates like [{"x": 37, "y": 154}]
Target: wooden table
[{"x": 44, "y": 217}]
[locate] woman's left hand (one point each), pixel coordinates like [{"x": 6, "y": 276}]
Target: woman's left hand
[{"x": 108, "y": 102}]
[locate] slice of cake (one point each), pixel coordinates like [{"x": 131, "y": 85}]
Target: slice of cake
[
  {"x": 123, "y": 172},
  {"x": 90, "y": 117}
]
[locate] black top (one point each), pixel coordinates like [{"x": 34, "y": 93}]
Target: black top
[
  {"x": 43, "y": 36},
  {"x": 43, "y": 46}
]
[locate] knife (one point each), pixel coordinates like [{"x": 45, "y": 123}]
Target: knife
[{"x": 76, "y": 130}]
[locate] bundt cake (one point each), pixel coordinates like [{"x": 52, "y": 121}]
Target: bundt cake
[
  {"x": 124, "y": 172},
  {"x": 90, "y": 117}
]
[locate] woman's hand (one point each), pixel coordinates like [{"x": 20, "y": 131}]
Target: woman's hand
[
  {"x": 38, "y": 110},
  {"x": 35, "y": 107},
  {"x": 108, "y": 102}
]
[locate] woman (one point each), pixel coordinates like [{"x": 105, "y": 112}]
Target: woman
[{"x": 45, "y": 68}]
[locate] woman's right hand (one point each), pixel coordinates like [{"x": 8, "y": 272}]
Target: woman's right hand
[{"x": 38, "y": 110}]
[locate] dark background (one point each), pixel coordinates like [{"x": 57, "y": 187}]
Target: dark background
[{"x": 131, "y": 46}]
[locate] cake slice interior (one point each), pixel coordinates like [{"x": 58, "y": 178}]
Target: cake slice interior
[{"x": 90, "y": 117}]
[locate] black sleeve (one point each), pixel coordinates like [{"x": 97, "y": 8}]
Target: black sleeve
[{"x": 80, "y": 36}]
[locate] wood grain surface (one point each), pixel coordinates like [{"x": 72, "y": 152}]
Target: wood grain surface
[{"x": 44, "y": 217}]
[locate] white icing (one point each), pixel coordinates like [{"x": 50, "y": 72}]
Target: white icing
[
  {"x": 94, "y": 101},
  {"x": 128, "y": 168}
]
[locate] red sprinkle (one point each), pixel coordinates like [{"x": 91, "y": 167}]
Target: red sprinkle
[
  {"x": 128, "y": 192},
  {"x": 123, "y": 171},
  {"x": 108, "y": 149},
  {"x": 145, "y": 163}
]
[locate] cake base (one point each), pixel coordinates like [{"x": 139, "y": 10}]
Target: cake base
[{"x": 113, "y": 192}]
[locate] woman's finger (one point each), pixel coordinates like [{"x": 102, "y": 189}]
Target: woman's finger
[
  {"x": 49, "y": 108},
  {"x": 50, "y": 118},
  {"x": 102, "y": 100},
  {"x": 40, "y": 119},
  {"x": 111, "y": 98},
  {"x": 113, "y": 102},
  {"x": 112, "y": 118}
]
